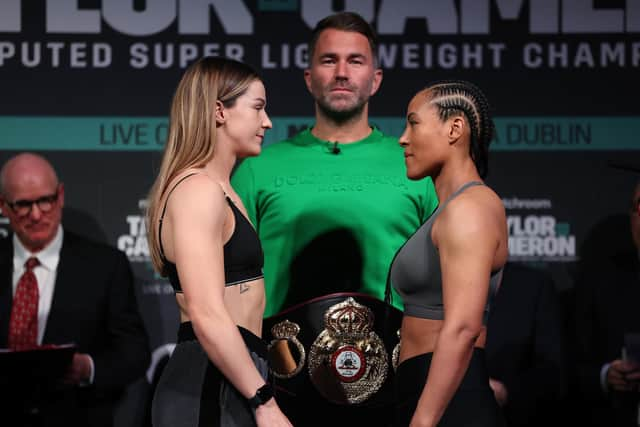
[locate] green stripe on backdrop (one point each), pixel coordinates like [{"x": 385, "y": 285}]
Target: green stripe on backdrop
[{"x": 149, "y": 133}]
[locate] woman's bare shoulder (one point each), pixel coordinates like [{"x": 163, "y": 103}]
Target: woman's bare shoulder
[
  {"x": 475, "y": 212},
  {"x": 195, "y": 193}
]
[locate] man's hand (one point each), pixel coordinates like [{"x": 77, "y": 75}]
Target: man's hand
[
  {"x": 623, "y": 376},
  {"x": 79, "y": 371}
]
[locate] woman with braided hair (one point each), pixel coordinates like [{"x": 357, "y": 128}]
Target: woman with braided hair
[{"x": 447, "y": 272}]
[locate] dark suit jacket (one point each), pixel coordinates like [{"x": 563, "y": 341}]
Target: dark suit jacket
[
  {"x": 93, "y": 306},
  {"x": 525, "y": 345},
  {"x": 607, "y": 297}
]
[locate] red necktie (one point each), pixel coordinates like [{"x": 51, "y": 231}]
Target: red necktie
[{"x": 23, "y": 324}]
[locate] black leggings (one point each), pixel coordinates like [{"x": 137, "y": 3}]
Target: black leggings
[
  {"x": 473, "y": 404},
  {"x": 192, "y": 392}
]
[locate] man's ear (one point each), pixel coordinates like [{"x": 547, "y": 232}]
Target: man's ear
[
  {"x": 61, "y": 194},
  {"x": 307, "y": 79},
  {"x": 377, "y": 80},
  {"x": 456, "y": 129},
  {"x": 221, "y": 113}
]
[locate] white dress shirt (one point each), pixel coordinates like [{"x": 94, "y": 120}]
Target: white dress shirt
[{"x": 45, "y": 274}]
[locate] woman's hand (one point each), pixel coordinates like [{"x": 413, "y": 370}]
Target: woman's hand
[
  {"x": 415, "y": 422},
  {"x": 270, "y": 415}
]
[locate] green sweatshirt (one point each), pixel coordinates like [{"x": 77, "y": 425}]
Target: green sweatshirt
[{"x": 330, "y": 221}]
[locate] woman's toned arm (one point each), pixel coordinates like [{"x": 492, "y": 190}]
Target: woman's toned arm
[
  {"x": 197, "y": 212},
  {"x": 467, "y": 237}
]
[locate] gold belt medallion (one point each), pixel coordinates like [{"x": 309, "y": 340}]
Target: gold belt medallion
[
  {"x": 347, "y": 361},
  {"x": 286, "y": 352}
]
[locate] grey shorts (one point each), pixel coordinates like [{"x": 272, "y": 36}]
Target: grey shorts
[{"x": 193, "y": 392}]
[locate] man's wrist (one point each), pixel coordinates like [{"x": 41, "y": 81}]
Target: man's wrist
[
  {"x": 89, "y": 375},
  {"x": 604, "y": 370},
  {"x": 92, "y": 369}
]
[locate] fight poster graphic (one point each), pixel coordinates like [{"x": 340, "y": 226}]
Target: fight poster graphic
[{"x": 536, "y": 234}]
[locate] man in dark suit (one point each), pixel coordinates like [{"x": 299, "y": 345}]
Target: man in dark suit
[
  {"x": 55, "y": 288},
  {"x": 606, "y": 320},
  {"x": 525, "y": 347}
]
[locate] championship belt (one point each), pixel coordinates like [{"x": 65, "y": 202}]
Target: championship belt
[{"x": 338, "y": 346}]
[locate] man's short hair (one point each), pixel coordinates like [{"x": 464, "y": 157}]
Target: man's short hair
[{"x": 345, "y": 21}]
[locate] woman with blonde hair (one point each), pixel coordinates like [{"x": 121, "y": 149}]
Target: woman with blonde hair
[
  {"x": 448, "y": 270},
  {"x": 200, "y": 238}
]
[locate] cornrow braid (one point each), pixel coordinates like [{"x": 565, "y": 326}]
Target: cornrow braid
[{"x": 453, "y": 97}]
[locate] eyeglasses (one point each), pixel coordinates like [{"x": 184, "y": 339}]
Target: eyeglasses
[{"x": 23, "y": 207}]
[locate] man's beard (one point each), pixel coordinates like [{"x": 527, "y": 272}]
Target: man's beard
[{"x": 340, "y": 116}]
